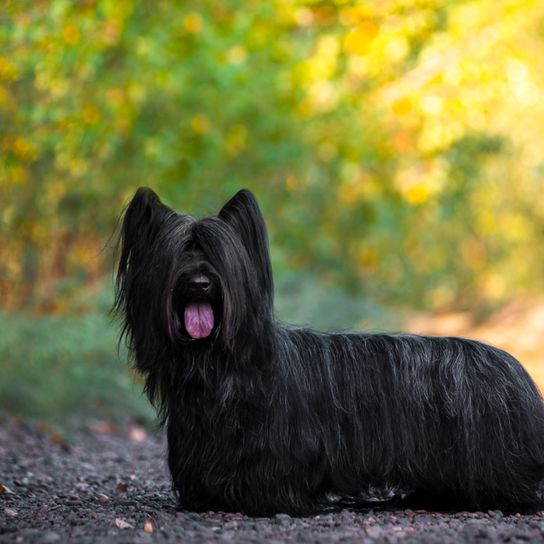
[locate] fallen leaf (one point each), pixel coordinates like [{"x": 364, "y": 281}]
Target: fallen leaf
[
  {"x": 57, "y": 437},
  {"x": 5, "y": 489},
  {"x": 43, "y": 427},
  {"x": 137, "y": 434},
  {"x": 148, "y": 527},
  {"x": 101, "y": 427},
  {"x": 121, "y": 487},
  {"x": 122, "y": 524},
  {"x": 102, "y": 499}
]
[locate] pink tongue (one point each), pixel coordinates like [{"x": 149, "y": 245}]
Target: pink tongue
[{"x": 199, "y": 319}]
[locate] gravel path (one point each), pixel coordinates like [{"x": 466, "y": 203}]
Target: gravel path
[{"x": 105, "y": 487}]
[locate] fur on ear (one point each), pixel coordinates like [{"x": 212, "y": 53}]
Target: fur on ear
[
  {"x": 242, "y": 213},
  {"x": 140, "y": 224}
]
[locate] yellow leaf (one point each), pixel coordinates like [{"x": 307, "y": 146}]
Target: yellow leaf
[
  {"x": 24, "y": 149},
  {"x": 402, "y": 106},
  {"x": 70, "y": 34},
  {"x": 417, "y": 194},
  {"x": 111, "y": 31},
  {"x": 236, "y": 55},
  {"x": 292, "y": 183},
  {"x": 352, "y": 189},
  {"x": 200, "y": 124},
  {"x": 359, "y": 39},
  {"x": 304, "y": 16},
  {"x": 367, "y": 258},
  {"x": 18, "y": 174},
  {"x": 193, "y": 23},
  {"x": 8, "y": 71},
  {"x": 236, "y": 140},
  {"x": 90, "y": 115}
]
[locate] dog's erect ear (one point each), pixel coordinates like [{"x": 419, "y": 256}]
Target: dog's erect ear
[
  {"x": 143, "y": 210},
  {"x": 242, "y": 213},
  {"x": 141, "y": 222}
]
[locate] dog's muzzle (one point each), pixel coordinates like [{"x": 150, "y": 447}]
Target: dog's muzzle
[
  {"x": 200, "y": 284},
  {"x": 198, "y": 315}
]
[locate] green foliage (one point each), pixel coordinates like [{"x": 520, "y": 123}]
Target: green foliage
[
  {"x": 382, "y": 138},
  {"x": 302, "y": 300},
  {"x": 65, "y": 369}
]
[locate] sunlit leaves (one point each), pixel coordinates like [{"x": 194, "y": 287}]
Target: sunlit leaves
[
  {"x": 8, "y": 71},
  {"x": 358, "y": 40},
  {"x": 386, "y": 136}
]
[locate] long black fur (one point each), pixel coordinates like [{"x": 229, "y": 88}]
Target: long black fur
[{"x": 264, "y": 417}]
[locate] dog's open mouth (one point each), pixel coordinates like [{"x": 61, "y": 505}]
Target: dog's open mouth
[{"x": 199, "y": 319}]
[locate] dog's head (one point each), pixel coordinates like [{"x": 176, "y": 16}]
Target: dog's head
[{"x": 182, "y": 280}]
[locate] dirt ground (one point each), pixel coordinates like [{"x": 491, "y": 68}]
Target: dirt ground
[{"x": 111, "y": 485}]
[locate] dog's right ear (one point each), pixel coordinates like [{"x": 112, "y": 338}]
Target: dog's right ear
[
  {"x": 143, "y": 219},
  {"x": 141, "y": 222}
]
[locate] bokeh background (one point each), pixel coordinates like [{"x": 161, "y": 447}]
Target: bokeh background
[{"x": 396, "y": 148}]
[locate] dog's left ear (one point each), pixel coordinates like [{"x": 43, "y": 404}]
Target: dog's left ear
[{"x": 242, "y": 213}]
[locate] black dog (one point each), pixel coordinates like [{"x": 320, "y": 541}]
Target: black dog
[{"x": 264, "y": 417}]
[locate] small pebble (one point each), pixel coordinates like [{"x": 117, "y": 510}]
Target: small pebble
[{"x": 50, "y": 536}]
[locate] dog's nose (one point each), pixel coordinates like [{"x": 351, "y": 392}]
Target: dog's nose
[{"x": 199, "y": 283}]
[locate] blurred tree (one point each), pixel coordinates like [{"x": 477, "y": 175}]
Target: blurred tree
[{"x": 394, "y": 145}]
